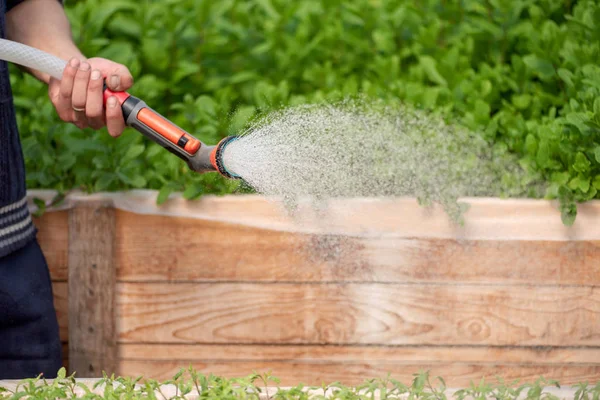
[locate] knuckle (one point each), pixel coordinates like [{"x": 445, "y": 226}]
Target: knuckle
[
  {"x": 92, "y": 113},
  {"x": 82, "y": 76},
  {"x": 69, "y": 73},
  {"x": 64, "y": 92},
  {"x": 128, "y": 80},
  {"x": 64, "y": 116},
  {"x": 97, "y": 124},
  {"x": 78, "y": 100},
  {"x": 95, "y": 85},
  {"x": 112, "y": 114}
]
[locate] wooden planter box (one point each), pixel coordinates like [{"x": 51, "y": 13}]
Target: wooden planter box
[{"x": 364, "y": 288}]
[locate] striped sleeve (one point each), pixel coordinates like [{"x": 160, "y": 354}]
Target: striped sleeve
[{"x": 16, "y": 226}]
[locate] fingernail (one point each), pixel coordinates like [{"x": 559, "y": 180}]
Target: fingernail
[
  {"x": 114, "y": 81},
  {"x": 84, "y": 67},
  {"x": 111, "y": 102},
  {"x": 95, "y": 74},
  {"x": 74, "y": 62}
]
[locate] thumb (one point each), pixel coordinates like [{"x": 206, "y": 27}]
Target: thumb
[{"x": 119, "y": 78}]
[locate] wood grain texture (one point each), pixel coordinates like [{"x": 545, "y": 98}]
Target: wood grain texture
[
  {"x": 355, "y": 354},
  {"x": 218, "y": 251},
  {"x": 53, "y": 237},
  {"x": 390, "y": 314},
  {"x": 92, "y": 334},
  {"x": 292, "y": 373},
  {"x": 60, "y": 292}
]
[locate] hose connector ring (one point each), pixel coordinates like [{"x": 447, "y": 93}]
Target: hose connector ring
[{"x": 217, "y": 158}]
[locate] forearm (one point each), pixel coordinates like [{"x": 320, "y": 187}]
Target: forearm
[{"x": 42, "y": 24}]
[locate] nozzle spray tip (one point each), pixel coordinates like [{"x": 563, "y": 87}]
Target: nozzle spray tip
[{"x": 216, "y": 158}]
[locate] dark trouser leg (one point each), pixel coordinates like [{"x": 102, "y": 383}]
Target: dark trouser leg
[{"x": 29, "y": 340}]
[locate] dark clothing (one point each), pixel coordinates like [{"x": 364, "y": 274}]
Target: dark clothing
[
  {"x": 29, "y": 340},
  {"x": 16, "y": 227}
]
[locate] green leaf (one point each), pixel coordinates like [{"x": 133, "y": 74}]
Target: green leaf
[
  {"x": 122, "y": 25},
  {"x": 578, "y": 120},
  {"x": 580, "y": 182},
  {"x": 193, "y": 192},
  {"x": 62, "y": 373},
  {"x": 531, "y": 144},
  {"x": 482, "y": 111},
  {"x": 543, "y": 154},
  {"x": 240, "y": 119},
  {"x": 185, "y": 69},
  {"x": 41, "y": 207},
  {"x": 568, "y": 214},
  {"x": 560, "y": 177},
  {"x": 105, "y": 180},
  {"x": 133, "y": 152},
  {"x": 206, "y": 104},
  {"x": 582, "y": 164},
  {"x": 566, "y": 76},
  {"x": 164, "y": 193},
  {"x": 522, "y": 101},
  {"x": 267, "y": 6},
  {"x": 540, "y": 66},
  {"x": 429, "y": 66},
  {"x": 243, "y": 76},
  {"x": 136, "y": 181},
  {"x": 17, "y": 396}
]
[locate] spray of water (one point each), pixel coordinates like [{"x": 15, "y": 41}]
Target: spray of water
[{"x": 356, "y": 149}]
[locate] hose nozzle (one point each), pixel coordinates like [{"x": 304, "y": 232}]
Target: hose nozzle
[
  {"x": 198, "y": 156},
  {"x": 216, "y": 158},
  {"x": 210, "y": 158}
]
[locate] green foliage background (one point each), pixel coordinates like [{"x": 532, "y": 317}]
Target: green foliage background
[{"x": 524, "y": 73}]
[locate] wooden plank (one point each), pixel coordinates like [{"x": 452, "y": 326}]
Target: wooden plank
[
  {"x": 486, "y": 219},
  {"x": 92, "y": 342},
  {"x": 61, "y": 304},
  {"x": 293, "y": 373},
  {"x": 53, "y": 236},
  {"x": 390, "y": 314},
  {"x": 355, "y": 354},
  {"x": 65, "y": 355},
  {"x": 187, "y": 249}
]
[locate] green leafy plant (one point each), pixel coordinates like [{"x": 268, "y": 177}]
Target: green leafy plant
[
  {"x": 189, "y": 382},
  {"x": 525, "y": 74}
]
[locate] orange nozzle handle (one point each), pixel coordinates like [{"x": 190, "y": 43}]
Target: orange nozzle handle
[
  {"x": 157, "y": 124},
  {"x": 168, "y": 130}
]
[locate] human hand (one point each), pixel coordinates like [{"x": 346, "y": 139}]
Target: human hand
[{"x": 78, "y": 97}]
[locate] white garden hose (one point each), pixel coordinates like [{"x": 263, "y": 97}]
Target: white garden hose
[{"x": 30, "y": 57}]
